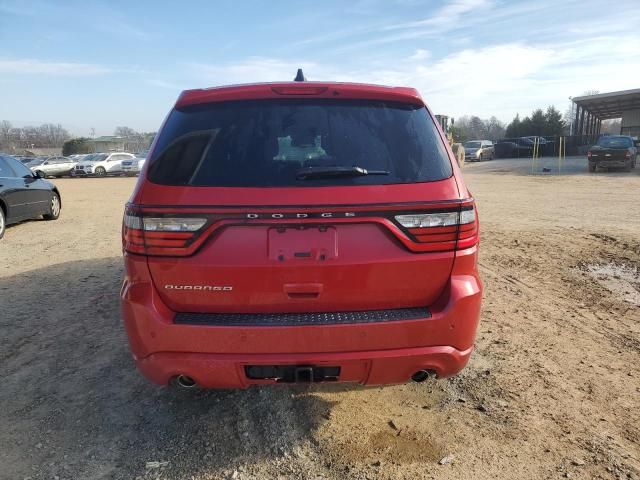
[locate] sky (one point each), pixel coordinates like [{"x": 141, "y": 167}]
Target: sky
[{"x": 95, "y": 64}]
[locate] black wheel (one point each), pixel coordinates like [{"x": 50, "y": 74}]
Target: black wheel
[
  {"x": 41, "y": 174},
  {"x": 627, "y": 167},
  {"x": 592, "y": 167},
  {"x": 2, "y": 223},
  {"x": 54, "y": 208},
  {"x": 100, "y": 172},
  {"x": 480, "y": 158}
]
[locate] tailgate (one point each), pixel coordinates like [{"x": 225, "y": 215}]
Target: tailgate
[
  {"x": 270, "y": 268},
  {"x": 609, "y": 154}
]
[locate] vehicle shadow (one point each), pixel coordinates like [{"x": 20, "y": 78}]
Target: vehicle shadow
[{"x": 74, "y": 406}]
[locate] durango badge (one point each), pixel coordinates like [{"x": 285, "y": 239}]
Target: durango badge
[{"x": 204, "y": 288}]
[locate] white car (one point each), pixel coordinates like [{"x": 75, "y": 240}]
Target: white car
[
  {"x": 133, "y": 167},
  {"x": 54, "y": 167},
  {"x": 102, "y": 164}
]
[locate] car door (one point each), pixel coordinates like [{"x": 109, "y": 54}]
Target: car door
[
  {"x": 35, "y": 193},
  {"x": 53, "y": 166},
  {"x": 45, "y": 167},
  {"x": 12, "y": 192}
]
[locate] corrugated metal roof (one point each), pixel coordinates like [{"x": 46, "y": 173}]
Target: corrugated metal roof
[{"x": 610, "y": 105}]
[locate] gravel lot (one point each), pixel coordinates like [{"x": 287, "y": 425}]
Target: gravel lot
[{"x": 552, "y": 391}]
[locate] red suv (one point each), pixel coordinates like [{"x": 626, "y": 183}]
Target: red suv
[{"x": 300, "y": 232}]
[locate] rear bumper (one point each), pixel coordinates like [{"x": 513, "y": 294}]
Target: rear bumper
[
  {"x": 378, "y": 367},
  {"x": 373, "y": 353},
  {"x": 610, "y": 163}
]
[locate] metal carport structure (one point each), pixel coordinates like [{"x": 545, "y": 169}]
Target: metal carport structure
[{"x": 591, "y": 110}]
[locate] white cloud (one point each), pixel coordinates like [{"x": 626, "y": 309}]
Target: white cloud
[
  {"x": 499, "y": 80},
  {"x": 254, "y": 69},
  {"x": 449, "y": 14},
  {"x": 27, "y": 66},
  {"x": 157, "y": 82},
  {"x": 420, "y": 54}
]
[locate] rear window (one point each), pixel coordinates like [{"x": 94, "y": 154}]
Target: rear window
[
  {"x": 614, "y": 142},
  {"x": 266, "y": 143}
]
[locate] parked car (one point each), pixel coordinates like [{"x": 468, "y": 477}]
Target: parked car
[
  {"x": 102, "y": 164},
  {"x": 24, "y": 195},
  {"x": 478, "y": 150},
  {"x": 545, "y": 147},
  {"x": 296, "y": 232},
  {"x": 613, "y": 151},
  {"x": 514, "y": 147},
  {"x": 133, "y": 167},
  {"x": 54, "y": 167}
]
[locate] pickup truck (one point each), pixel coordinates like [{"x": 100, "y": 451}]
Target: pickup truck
[{"x": 613, "y": 151}]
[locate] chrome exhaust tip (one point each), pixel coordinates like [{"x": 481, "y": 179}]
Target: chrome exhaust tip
[
  {"x": 184, "y": 381},
  {"x": 422, "y": 375}
]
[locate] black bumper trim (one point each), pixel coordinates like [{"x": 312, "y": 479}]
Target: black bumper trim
[{"x": 300, "y": 319}]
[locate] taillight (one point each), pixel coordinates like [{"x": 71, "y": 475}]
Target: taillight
[
  {"x": 627, "y": 155},
  {"x": 149, "y": 235},
  {"x": 589, "y": 154},
  {"x": 443, "y": 231}
]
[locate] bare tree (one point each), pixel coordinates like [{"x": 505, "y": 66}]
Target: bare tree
[
  {"x": 476, "y": 128},
  {"x": 125, "y": 132},
  {"x": 46, "y": 135}
]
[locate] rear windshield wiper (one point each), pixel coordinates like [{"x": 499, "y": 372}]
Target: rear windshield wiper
[{"x": 310, "y": 173}]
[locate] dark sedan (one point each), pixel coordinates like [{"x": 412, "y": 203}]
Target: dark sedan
[
  {"x": 613, "y": 151},
  {"x": 24, "y": 195}
]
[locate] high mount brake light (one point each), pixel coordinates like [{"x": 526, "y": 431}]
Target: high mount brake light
[
  {"x": 299, "y": 90},
  {"x": 160, "y": 235},
  {"x": 443, "y": 231}
]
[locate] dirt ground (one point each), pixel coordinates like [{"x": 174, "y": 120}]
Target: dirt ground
[{"x": 552, "y": 391}]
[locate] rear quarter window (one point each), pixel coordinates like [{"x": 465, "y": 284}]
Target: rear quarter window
[{"x": 265, "y": 143}]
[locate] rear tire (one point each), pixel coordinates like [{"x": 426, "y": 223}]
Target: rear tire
[
  {"x": 3, "y": 223},
  {"x": 627, "y": 167},
  {"x": 592, "y": 167},
  {"x": 54, "y": 208}
]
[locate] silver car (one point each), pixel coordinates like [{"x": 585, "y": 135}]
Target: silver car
[
  {"x": 54, "y": 167},
  {"x": 478, "y": 150}
]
